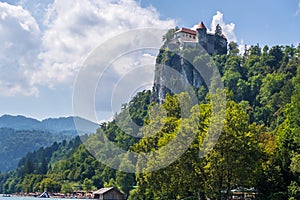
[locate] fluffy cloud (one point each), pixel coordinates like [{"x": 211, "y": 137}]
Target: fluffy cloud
[
  {"x": 48, "y": 46},
  {"x": 121, "y": 80},
  {"x": 20, "y": 43},
  {"x": 298, "y": 10},
  {"x": 228, "y": 29},
  {"x": 37, "y": 8},
  {"x": 115, "y": 71},
  {"x": 75, "y": 28}
]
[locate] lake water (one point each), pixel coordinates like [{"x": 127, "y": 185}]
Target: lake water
[
  {"x": 17, "y": 198},
  {"x": 24, "y": 198}
]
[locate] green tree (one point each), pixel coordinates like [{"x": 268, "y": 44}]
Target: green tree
[
  {"x": 87, "y": 185},
  {"x": 66, "y": 188},
  {"x": 50, "y": 185},
  {"x": 232, "y": 162},
  {"x": 235, "y": 158}
]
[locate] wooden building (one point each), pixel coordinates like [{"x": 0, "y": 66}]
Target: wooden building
[
  {"x": 108, "y": 194},
  {"x": 243, "y": 193}
]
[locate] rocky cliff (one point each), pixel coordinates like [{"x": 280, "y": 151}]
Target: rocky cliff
[{"x": 179, "y": 70}]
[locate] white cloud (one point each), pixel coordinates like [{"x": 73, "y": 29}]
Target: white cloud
[
  {"x": 19, "y": 41},
  {"x": 228, "y": 29},
  {"x": 76, "y": 27},
  {"x": 129, "y": 71},
  {"x": 298, "y": 9},
  {"x": 48, "y": 46},
  {"x": 37, "y": 8},
  {"x": 243, "y": 47},
  {"x": 115, "y": 71}
]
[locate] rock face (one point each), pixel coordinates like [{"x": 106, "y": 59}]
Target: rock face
[
  {"x": 174, "y": 74},
  {"x": 184, "y": 61}
]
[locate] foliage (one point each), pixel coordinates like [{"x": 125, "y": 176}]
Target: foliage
[
  {"x": 16, "y": 143},
  {"x": 259, "y": 146}
]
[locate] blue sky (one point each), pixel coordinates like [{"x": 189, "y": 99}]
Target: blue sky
[
  {"x": 44, "y": 43},
  {"x": 269, "y": 22}
]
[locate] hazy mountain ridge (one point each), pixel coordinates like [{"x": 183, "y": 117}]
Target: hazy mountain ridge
[
  {"x": 258, "y": 149},
  {"x": 54, "y": 125},
  {"x": 20, "y": 135}
]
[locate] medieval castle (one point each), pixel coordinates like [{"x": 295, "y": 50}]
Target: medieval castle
[
  {"x": 212, "y": 43},
  {"x": 185, "y": 38}
]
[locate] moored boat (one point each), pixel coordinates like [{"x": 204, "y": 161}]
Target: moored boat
[{"x": 44, "y": 195}]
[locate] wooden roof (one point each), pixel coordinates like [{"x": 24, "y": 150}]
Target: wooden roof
[{"x": 105, "y": 190}]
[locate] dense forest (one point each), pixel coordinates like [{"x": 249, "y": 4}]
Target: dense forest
[
  {"x": 259, "y": 146},
  {"x": 16, "y": 143},
  {"x": 20, "y": 135}
]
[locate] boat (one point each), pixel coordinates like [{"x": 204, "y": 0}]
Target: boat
[
  {"x": 44, "y": 195},
  {"x": 6, "y": 195}
]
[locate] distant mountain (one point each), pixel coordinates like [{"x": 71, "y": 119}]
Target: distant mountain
[
  {"x": 15, "y": 144},
  {"x": 68, "y": 124},
  {"x": 19, "y": 122},
  {"x": 20, "y": 135},
  {"x": 53, "y": 125}
]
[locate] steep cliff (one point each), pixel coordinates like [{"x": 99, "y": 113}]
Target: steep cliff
[{"x": 179, "y": 69}]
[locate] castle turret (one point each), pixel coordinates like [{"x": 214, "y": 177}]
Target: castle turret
[
  {"x": 201, "y": 25},
  {"x": 220, "y": 41},
  {"x": 185, "y": 38},
  {"x": 201, "y": 34},
  {"x": 211, "y": 43}
]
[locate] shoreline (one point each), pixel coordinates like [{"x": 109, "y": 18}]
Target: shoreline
[{"x": 52, "y": 196}]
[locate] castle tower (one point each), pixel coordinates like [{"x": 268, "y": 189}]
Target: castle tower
[
  {"x": 218, "y": 30},
  {"x": 201, "y": 34},
  {"x": 220, "y": 41}
]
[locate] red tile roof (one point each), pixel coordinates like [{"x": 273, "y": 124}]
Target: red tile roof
[
  {"x": 223, "y": 36},
  {"x": 186, "y": 30},
  {"x": 201, "y": 25}
]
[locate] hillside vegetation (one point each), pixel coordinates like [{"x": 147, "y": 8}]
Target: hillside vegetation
[
  {"x": 259, "y": 146},
  {"x": 20, "y": 135}
]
